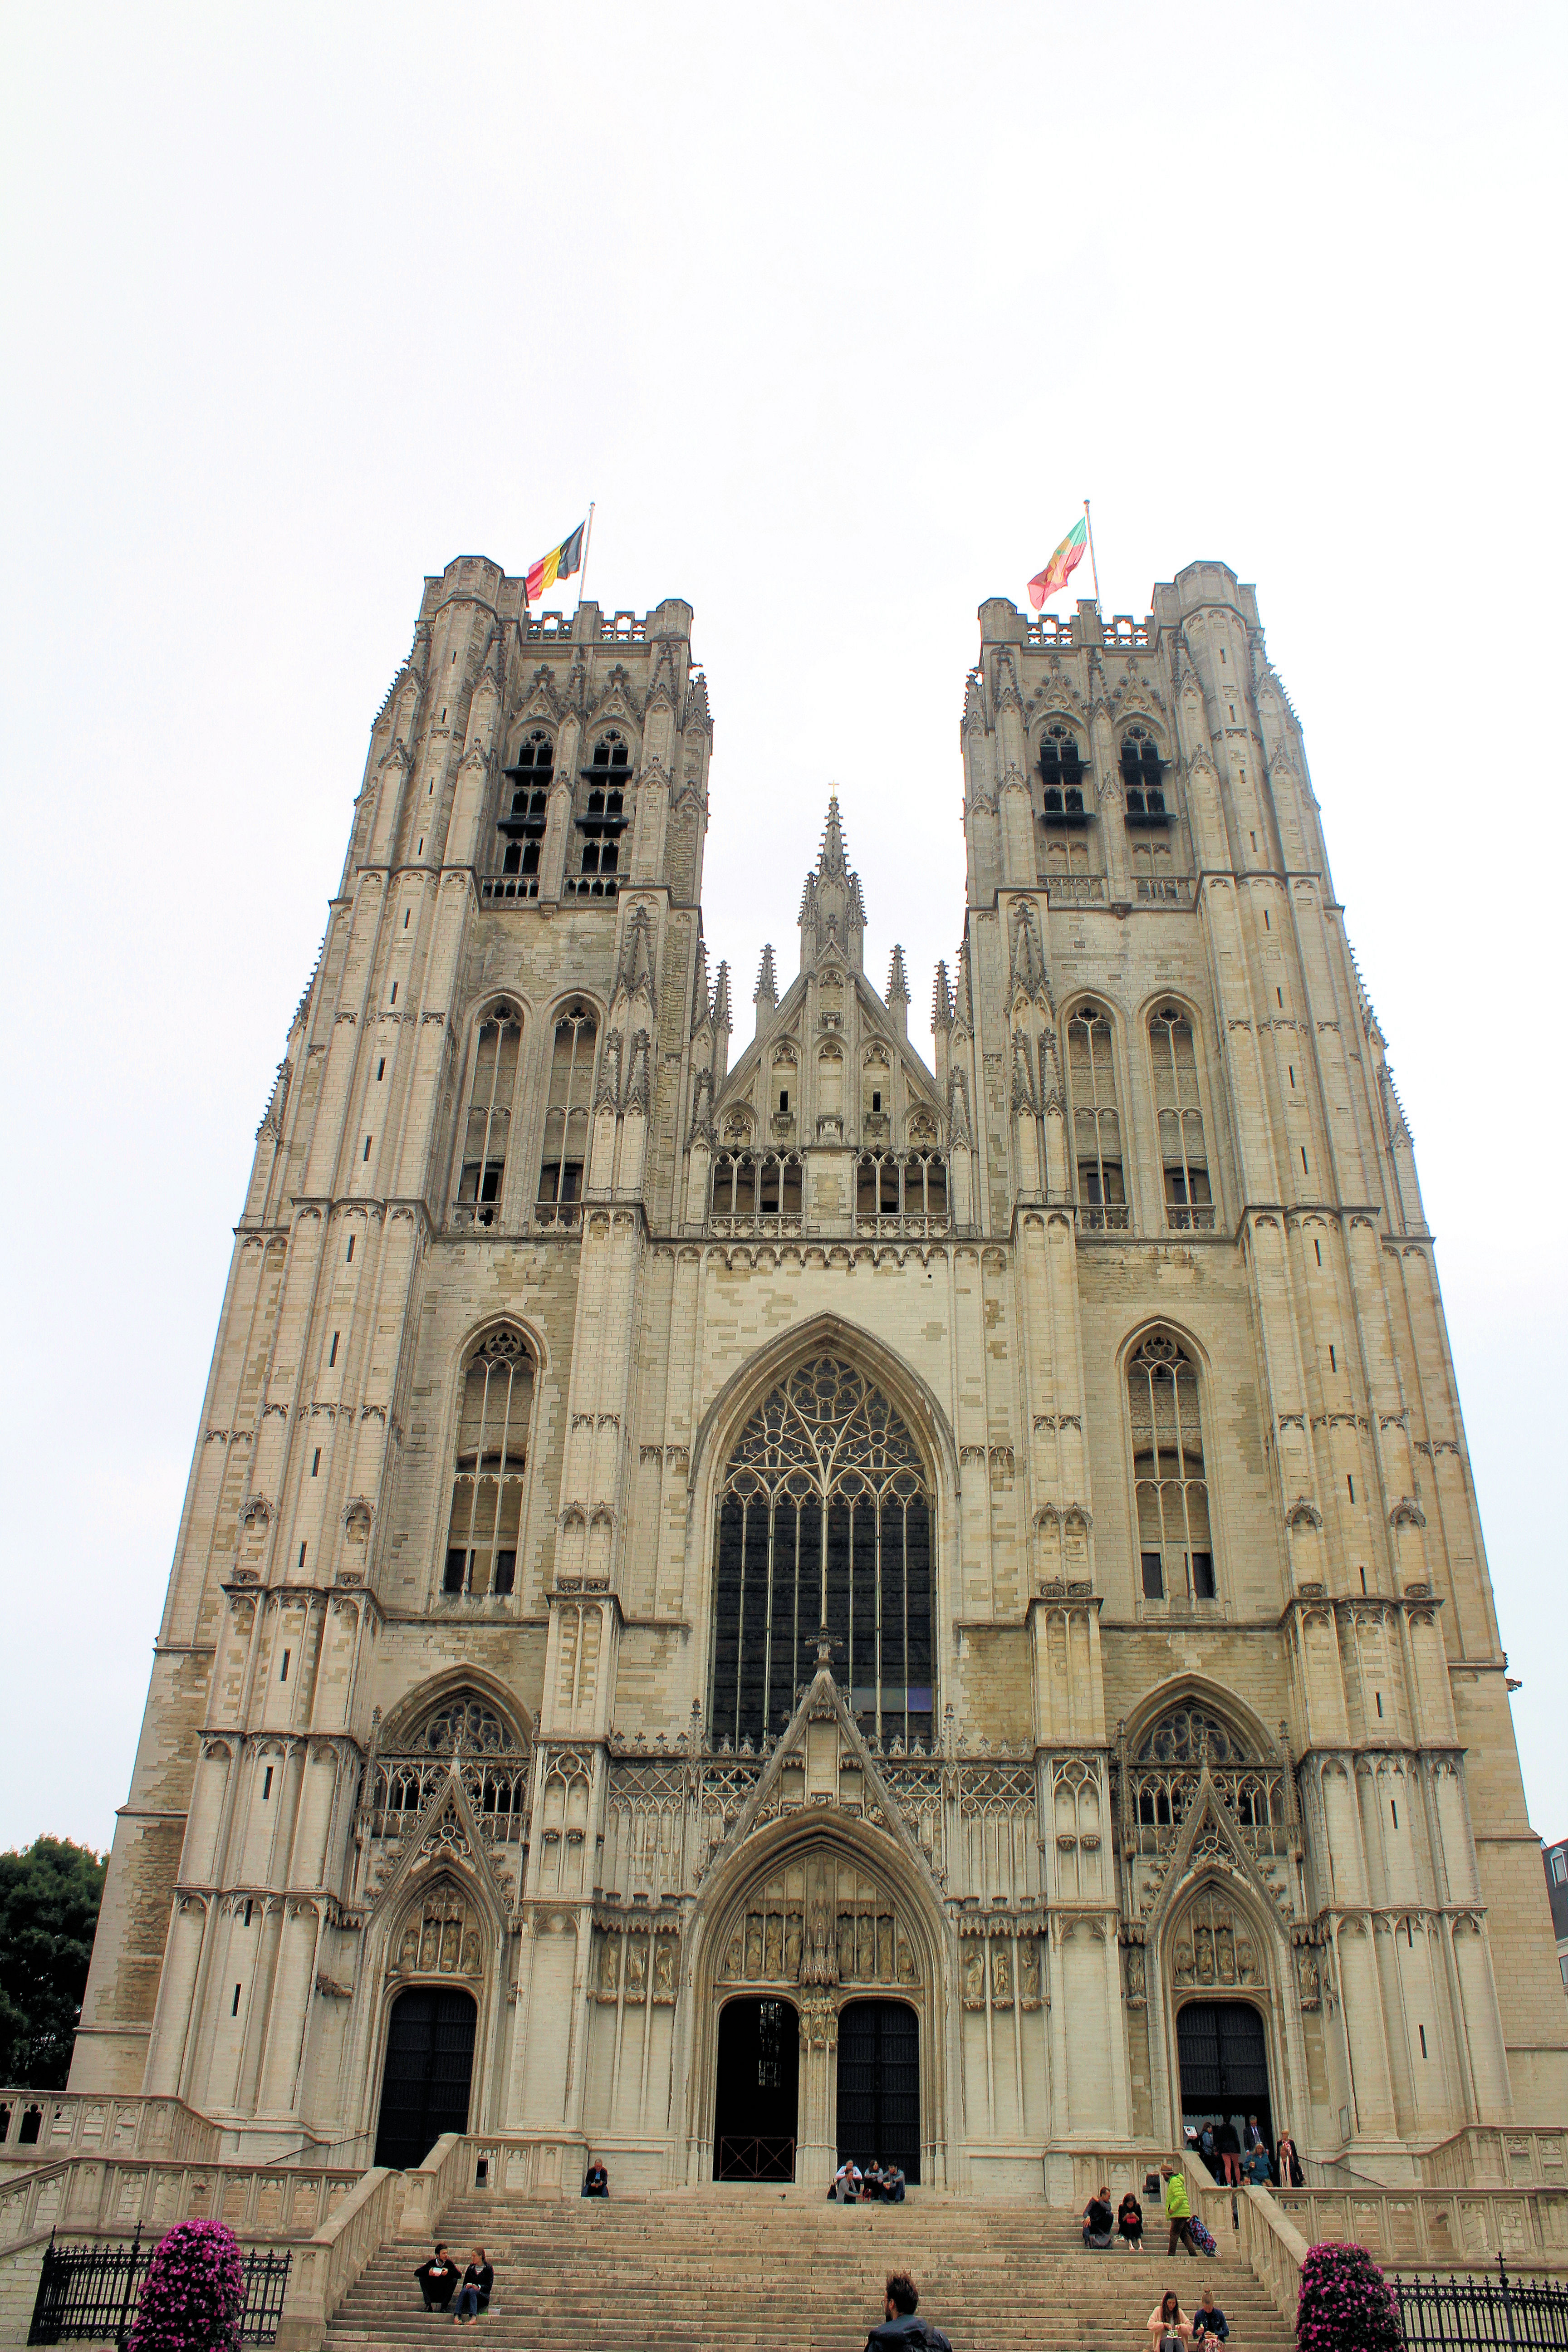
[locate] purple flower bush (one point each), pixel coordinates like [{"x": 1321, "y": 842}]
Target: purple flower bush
[
  {"x": 193, "y": 2292},
  {"x": 1346, "y": 2305}
]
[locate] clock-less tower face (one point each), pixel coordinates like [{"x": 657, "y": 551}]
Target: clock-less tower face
[{"x": 832, "y": 1594}]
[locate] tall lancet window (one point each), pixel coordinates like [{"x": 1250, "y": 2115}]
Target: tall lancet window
[
  {"x": 1175, "y": 1543},
  {"x": 492, "y": 1455},
  {"x": 1189, "y": 1203},
  {"x": 1096, "y": 1120},
  {"x": 824, "y": 1520},
  {"x": 565, "y": 1152},
  {"x": 488, "y": 1130}
]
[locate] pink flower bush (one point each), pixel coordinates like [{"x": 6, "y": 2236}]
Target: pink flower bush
[
  {"x": 1346, "y": 2305},
  {"x": 192, "y": 2294}
]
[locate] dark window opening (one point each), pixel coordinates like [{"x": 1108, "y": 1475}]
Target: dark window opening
[
  {"x": 1188, "y": 1189},
  {"x": 1394, "y": 1811},
  {"x": 283, "y": 1670},
  {"x": 316, "y": 1463},
  {"x": 1421, "y": 2030},
  {"x": 267, "y": 1784},
  {"x": 233, "y": 2005},
  {"x": 332, "y": 1351},
  {"x": 561, "y": 1180},
  {"x": 784, "y": 1098},
  {"x": 1143, "y": 772},
  {"x": 1061, "y": 779},
  {"x": 1154, "y": 1576}
]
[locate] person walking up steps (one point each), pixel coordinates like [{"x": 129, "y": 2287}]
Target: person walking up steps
[{"x": 1178, "y": 2213}]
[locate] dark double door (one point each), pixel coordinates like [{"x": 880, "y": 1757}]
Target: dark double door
[
  {"x": 1224, "y": 2060},
  {"x": 879, "y": 2085},
  {"x": 757, "y": 2090},
  {"x": 429, "y": 2067}
]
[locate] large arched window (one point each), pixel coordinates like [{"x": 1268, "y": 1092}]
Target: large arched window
[
  {"x": 1175, "y": 1543},
  {"x": 1095, "y": 1122},
  {"x": 565, "y": 1152},
  {"x": 492, "y": 1454},
  {"x": 488, "y": 1128},
  {"x": 1142, "y": 778},
  {"x": 824, "y": 1520},
  {"x": 1189, "y": 1203}
]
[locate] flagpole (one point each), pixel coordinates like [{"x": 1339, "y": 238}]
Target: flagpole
[
  {"x": 588, "y": 543},
  {"x": 1093, "y": 567}
]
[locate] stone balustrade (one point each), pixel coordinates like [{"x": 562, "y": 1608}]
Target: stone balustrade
[
  {"x": 37, "y": 2127},
  {"x": 90, "y": 2196}
]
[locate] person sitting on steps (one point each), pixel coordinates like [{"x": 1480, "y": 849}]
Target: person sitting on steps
[
  {"x": 437, "y": 2279},
  {"x": 1168, "y": 2331},
  {"x": 1210, "y": 2326},
  {"x": 1129, "y": 2223},
  {"x": 902, "y": 2331},
  {"x": 893, "y": 2184},
  {"x": 474, "y": 2295},
  {"x": 847, "y": 2182},
  {"x": 1097, "y": 2221},
  {"x": 596, "y": 2181}
]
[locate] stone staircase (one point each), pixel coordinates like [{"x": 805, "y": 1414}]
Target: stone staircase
[{"x": 765, "y": 2270}]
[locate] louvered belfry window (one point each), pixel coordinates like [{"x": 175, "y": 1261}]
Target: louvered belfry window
[
  {"x": 488, "y": 1479},
  {"x": 825, "y": 1520}
]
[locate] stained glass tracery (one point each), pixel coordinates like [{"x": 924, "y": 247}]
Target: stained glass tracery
[{"x": 823, "y": 1521}]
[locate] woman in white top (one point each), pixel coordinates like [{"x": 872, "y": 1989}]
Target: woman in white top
[{"x": 1168, "y": 2331}]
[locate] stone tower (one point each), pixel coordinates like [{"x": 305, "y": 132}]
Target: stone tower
[{"x": 957, "y": 1582}]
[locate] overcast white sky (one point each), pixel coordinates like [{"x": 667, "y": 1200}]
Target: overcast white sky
[{"x": 837, "y": 311}]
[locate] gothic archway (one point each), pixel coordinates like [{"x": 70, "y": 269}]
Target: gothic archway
[{"x": 819, "y": 1920}]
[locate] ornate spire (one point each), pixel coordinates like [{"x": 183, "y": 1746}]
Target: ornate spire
[
  {"x": 721, "y": 999},
  {"x": 832, "y": 909},
  {"x": 897, "y": 979},
  {"x": 766, "y": 990},
  {"x": 942, "y": 1000}
]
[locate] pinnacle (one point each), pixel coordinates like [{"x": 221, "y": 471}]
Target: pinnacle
[
  {"x": 721, "y": 998},
  {"x": 767, "y": 987},
  {"x": 831, "y": 858},
  {"x": 942, "y": 1000},
  {"x": 897, "y": 979}
]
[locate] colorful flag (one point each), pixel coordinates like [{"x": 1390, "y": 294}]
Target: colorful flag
[
  {"x": 559, "y": 564},
  {"x": 1055, "y": 575}
]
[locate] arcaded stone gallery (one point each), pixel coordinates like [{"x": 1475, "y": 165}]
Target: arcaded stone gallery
[{"x": 740, "y": 1607}]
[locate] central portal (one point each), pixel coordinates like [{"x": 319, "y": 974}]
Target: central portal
[
  {"x": 879, "y": 2085},
  {"x": 759, "y": 2075}
]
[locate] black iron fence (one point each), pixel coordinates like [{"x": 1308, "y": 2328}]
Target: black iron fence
[
  {"x": 753, "y": 2159},
  {"x": 1525, "y": 2313},
  {"x": 87, "y": 2294}
]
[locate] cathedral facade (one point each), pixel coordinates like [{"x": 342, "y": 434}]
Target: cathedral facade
[{"x": 738, "y": 1608}]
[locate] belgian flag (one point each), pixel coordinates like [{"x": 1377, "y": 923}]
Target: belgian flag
[{"x": 559, "y": 564}]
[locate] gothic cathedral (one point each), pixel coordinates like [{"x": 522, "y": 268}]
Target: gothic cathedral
[{"x": 734, "y": 1610}]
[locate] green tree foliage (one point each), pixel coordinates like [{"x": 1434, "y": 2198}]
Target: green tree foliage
[{"x": 48, "y": 1908}]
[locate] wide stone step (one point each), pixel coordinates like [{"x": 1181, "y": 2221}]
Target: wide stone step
[{"x": 685, "y": 2271}]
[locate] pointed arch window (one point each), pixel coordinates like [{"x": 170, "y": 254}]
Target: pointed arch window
[
  {"x": 525, "y": 810},
  {"x": 493, "y": 1415},
  {"x": 824, "y": 1520},
  {"x": 487, "y": 1128},
  {"x": 1176, "y": 1545},
  {"x": 565, "y": 1152},
  {"x": 1142, "y": 779},
  {"x": 1184, "y": 1154},
  {"x": 1061, "y": 778},
  {"x": 603, "y": 817},
  {"x": 1096, "y": 1120}
]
